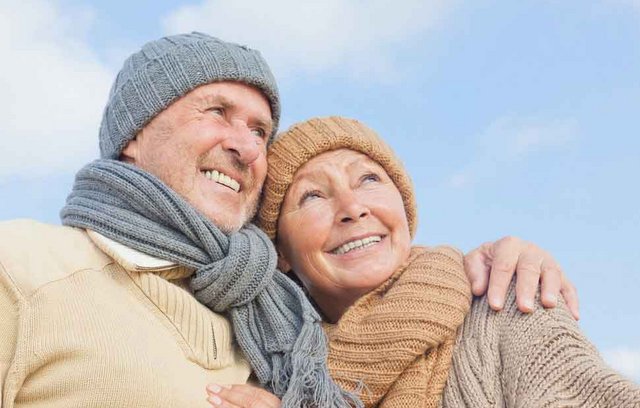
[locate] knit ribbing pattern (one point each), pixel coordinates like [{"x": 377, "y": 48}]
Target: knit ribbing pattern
[
  {"x": 396, "y": 342},
  {"x": 168, "y": 68},
  {"x": 77, "y": 331},
  {"x": 274, "y": 324},
  {"x": 305, "y": 140},
  {"x": 194, "y": 324},
  {"x": 511, "y": 359}
]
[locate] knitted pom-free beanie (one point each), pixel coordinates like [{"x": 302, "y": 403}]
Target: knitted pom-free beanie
[
  {"x": 168, "y": 68},
  {"x": 305, "y": 140}
]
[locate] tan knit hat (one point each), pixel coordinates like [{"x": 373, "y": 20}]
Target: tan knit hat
[{"x": 305, "y": 140}]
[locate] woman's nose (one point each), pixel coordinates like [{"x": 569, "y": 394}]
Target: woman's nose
[{"x": 351, "y": 209}]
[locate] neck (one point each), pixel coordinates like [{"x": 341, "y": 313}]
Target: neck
[{"x": 333, "y": 306}]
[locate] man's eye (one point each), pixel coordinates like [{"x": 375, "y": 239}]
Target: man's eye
[
  {"x": 309, "y": 195},
  {"x": 216, "y": 111},
  {"x": 258, "y": 132}
]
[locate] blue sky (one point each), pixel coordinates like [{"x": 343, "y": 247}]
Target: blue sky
[{"x": 513, "y": 117}]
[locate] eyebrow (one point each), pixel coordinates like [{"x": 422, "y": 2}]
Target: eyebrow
[
  {"x": 226, "y": 103},
  {"x": 265, "y": 124},
  {"x": 219, "y": 99},
  {"x": 356, "y": 162}
]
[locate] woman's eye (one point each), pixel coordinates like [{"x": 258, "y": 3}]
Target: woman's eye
[
  {"x": 369, "y": 177},
  {"x": 308, "y": 196}
]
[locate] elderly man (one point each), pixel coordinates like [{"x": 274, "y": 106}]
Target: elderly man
[{"x": 109, "y": 310}]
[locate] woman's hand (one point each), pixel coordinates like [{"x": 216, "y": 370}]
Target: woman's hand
[
  {"x": 493, "y": 264},
  {"x": 241, "y": 396}
]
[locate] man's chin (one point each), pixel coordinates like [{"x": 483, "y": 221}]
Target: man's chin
[
  {"x": 231, "y": 219},
  {"x": 229, "y": 225},
  {"x": 228, "y": 228}
]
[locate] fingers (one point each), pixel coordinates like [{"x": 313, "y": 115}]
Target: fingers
[
  {"x": 505, "y": 258},
  {"x": 476, "y": 265},
  {"x": 554, "y": 284},
  {"x": 551, "y": 278},
  {"x": 528, "y": 277},
  {"x": 533, "y": 266},
  {"x": 241, "y": 396},
  {"x": 570, "y": 295}
]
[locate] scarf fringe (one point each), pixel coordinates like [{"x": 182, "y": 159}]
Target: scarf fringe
[{"x": 302, "y": 377}]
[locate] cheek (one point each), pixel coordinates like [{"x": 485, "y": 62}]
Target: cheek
[
  {"x": 305, "y": 232},
  {"x": 388, "y": 204},
  {"x": 260, "y": 168}
]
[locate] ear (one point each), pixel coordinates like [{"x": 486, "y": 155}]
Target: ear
[
  {"x": 131, "y": 151},
  {"x": 283, "y": 264}
]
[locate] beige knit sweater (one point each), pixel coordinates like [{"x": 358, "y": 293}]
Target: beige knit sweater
[
  {"x": 500, "y": 359},
  {"x": 542, "y": 359},
  {"x": 86, "y": 322}
]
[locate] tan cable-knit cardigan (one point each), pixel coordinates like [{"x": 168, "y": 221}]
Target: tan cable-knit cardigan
[{"x": 500, "y": 359}]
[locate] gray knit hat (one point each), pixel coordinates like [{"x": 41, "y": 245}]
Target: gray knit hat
[{"x": 168, "y": 68}]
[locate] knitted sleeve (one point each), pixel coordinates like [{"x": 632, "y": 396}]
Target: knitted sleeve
[
  {"x": 395, "y": 342},
  {"x": 537, "y": 360},
  {"x": 8, "y": 326}
]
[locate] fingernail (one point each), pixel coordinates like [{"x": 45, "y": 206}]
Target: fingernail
[
  {"x": 495, "y": 302},
  {"x": 215, "y": 400},
  {"x": 214, "y": 388},
  {"x": 528, "y": 304},
  {"x": 552, "y": 299}
]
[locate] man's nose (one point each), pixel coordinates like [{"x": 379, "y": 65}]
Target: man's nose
[
  {"x": 242, "y": 143},
  {"x": 351, "y": 209}
]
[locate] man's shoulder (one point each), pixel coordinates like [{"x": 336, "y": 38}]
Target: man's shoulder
[
  {"x": 445, "y": 251},
  {"x": 33, "y": 254}
]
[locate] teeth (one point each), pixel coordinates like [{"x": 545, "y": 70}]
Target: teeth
[
  {"x": 357, "y": 244},
  {"x": 223, "y": 179}
]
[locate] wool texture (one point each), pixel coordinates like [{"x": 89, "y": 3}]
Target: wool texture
[
  {"x": 168, "y": 68},
  {"x": 275, "y": 325},
  {"x": 80, "y": 327},
  {"x": 305, "y": 140},
  {"x": 540, "y": 359},
  {"x": 397, "y": 340}
]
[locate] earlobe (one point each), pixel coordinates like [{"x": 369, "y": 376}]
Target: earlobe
[
  {"x": 283, "y": 265},
  {"x": 130, "y": 152}
]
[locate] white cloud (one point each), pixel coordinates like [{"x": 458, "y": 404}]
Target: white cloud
[
  {"x": 625, "y": 360},
  {"x": 510, "y": 138},
  {"x": 53, "y": 89},
  {"x": 348, "y": 36}
]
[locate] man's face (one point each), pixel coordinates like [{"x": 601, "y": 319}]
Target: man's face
[{"x": 210, "y": 147}]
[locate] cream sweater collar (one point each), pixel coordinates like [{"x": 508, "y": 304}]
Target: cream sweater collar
[
  {"x": 135, "y": 261},
  {"x": 208, "y": 337}
]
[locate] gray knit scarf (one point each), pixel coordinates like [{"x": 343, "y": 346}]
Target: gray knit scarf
[{"x": 274, "y": 324}]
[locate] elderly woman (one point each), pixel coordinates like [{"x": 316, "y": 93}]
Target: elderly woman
[{"x": 403, "y": 329}]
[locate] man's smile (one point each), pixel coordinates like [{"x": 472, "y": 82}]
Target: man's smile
[{"x": 221, "y": 178}]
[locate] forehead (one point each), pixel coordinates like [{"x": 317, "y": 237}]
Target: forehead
[
  {"x": 335, "y": 161},
  {"x": 237, "y": 95}
]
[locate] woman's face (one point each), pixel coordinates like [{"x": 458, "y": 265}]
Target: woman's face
[{"x": 343, "y": 227}]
